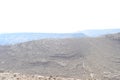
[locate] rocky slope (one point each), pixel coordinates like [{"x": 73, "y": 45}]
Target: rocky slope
[{"x": 70, "y": 57}]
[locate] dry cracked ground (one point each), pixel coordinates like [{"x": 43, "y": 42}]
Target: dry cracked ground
[{"x": 71, "y": 58}]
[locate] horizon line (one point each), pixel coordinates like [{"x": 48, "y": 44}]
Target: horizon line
[{"x": 58, "y": 32}]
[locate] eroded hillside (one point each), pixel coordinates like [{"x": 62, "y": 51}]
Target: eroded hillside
[{"x": 70, "y": 57}]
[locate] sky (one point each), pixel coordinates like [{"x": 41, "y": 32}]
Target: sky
[{"x": 58, "y": 16}]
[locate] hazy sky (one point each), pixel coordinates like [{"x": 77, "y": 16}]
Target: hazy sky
[{"x": 58, "y": 15}]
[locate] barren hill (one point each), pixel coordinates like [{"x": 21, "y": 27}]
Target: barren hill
[{"x": 70, "y": 57}]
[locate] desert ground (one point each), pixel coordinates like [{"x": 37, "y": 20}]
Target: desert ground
[{"x": 69, "y": 58}]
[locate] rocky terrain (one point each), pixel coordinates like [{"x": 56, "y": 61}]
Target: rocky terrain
[
  {"x": 78, "y": 58},
  {"x": 18, "y": 76}
]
